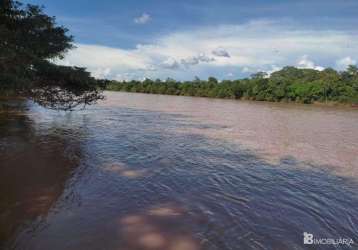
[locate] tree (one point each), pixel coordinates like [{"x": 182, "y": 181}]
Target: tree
[
  {"x": 30, "y": 41},
  {"x": 352, "y": 70}
]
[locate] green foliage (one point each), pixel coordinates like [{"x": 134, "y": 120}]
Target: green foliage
[
  {"x": 29, "y": 41},
  {"x": 289, "y": 84}
]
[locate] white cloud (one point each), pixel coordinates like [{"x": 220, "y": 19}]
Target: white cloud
[
  {"x": 190, "y": 61},
  {"x": 306, "y": 63},
  {"x": 170, "y": 63},
  {"x": 143, "y": 19},
  {"x": 203, "y": 58},
  {"x": 253, "y": 46},
  {"x": 101, "y": 73},
  {"x": 194, "y": 60},
  {"x": 95, "y": 56},
  {"x": 273, "y": 69},
  {"x": 343, "y": 63},
  {"x": 220, "y": 52},
  {"x": 246, "y": 70}
]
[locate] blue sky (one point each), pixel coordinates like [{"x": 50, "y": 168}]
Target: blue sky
[{"x": 187, "y": 38}]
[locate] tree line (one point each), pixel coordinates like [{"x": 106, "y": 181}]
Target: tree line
[
  {"x": 288, "y": 84},
  {"x": 30, "y": 42}
]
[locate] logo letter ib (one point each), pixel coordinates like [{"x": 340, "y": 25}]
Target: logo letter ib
[{"x": 307, "y": 238}]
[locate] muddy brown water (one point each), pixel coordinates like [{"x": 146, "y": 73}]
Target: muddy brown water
[{"x": 160, "y": 172}]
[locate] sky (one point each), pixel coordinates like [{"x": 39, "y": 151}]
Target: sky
[{"x": 227, "y": 39}]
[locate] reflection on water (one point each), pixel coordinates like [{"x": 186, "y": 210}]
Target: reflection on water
[
  {"x": 155, "y": 229},
  {"x": 34, "y": 169},
  {"x": 176, "y": 173},
  {"x": 124, "y": 171}
]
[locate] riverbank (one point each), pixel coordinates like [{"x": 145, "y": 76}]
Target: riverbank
[
  {"x": 316, "y": 103},
  {"x": 11, "y": 103},
  {"x": 290, "y": 84}
]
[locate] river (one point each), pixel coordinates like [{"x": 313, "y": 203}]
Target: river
[{"x": 159, "y": 172}]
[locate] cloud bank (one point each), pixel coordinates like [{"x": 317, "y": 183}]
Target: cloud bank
[
  {"x": 343, "y": 63},
  {"x": 218, "y": 51},
  {"x": 306, "y": 63}
]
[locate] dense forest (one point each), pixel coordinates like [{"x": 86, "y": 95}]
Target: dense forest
[{"x": 289, "y": 84}]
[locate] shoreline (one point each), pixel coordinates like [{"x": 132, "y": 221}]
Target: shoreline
[{"x": 315, "y": 104}]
